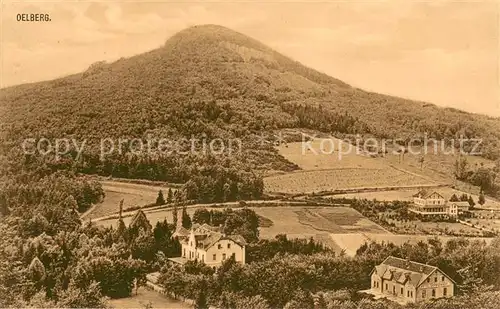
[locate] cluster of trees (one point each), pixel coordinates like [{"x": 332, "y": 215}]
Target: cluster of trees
[
  {"x": 463, "y": 198},
  {"x": 486, "y": 178},
  {"x": 325, "y": 120},
  {"x": 80, "y": 265},
  {"x": 267, "y": 249},
  {"x": 306, "y": 280},
  {"x": 49, "y": 258},
  {"x": 244, "y": 222},
  {"x": 219, "y": 184},
  {"x": 74, "y": 267},
  {"x": 160, "y": 199}
]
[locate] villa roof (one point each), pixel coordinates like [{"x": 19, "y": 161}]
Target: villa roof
[
  {"x": 409, "y": 265},
  {"x": 206, "y": 235},
  {"x": 401, "y": 270},
  {"x": 424, "y": 193}
]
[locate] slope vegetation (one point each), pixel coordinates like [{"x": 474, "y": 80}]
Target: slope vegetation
[{"x": 211, "y": 82}]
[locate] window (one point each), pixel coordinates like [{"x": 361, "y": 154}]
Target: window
[
  {"x": 435, "y": 279},
  {"x": 433, "y": 293},
  {"x": 445, "y": 291},
  {"x": 442, "y": 278},
  {"x": 407, "y": 293},
  {"x": 229, "y": 246},
  {"x": 203, "y": 257},
  {"x": 428, "y": 280},
  {"x": 214, "y": 257},
  {"x": 386, "y": 288},
  {"x": 223, "y": 256},
  {"x": 219, "y": 246},
  {"x": 393, "y": 289},
  {"x": 423, "y": 294},
  {"x": 402, "y": 291}
]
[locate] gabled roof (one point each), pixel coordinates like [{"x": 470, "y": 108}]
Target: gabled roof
[
  {"x": 237, "y": 239},
  {"x": 409, "y": 265},
  {"x": 426, "y": 194},
  {"x": 404, "y": 271},
  {"x": 204, "y": 228},
  {"x": 140, "y": 220},
  {"x": 206, "y": 235},
  {"x": 180, "y": 231}
]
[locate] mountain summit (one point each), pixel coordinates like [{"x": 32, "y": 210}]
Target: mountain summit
[{"x": 212, "y": 81}]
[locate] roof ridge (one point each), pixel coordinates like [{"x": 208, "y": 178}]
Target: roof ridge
[{"x": 423, "y": 264}]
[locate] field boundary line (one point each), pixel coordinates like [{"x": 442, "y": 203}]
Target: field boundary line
[{"x": 364, "y": 189}]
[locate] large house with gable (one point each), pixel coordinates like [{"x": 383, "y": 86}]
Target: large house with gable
[
  {"x": 406, "y": 281},
  {"x": 209, "y": 245},
  {"x": 432, "y": 203}
]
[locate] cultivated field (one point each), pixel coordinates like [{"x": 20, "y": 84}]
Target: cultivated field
[
  {"x": 330, "y": 164},
  {"x": 133, "y": 195},
  {"x": 342, "y": 178},
  {"x": 316, "y": 222},
  {"x": 311, "y": 220}
]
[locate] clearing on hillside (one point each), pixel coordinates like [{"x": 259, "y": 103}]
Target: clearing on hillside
[{"x": 133, "y": 195}]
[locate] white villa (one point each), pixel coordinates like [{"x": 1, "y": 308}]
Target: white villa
[
  {"x": 209, "y": 245},
  {"x": 405, "y": 281},
  {"x": 431, "y": 203}
]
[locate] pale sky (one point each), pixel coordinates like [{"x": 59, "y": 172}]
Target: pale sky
[{"x": 438, "y": 51}]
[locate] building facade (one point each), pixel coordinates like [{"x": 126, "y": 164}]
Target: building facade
[
  {"x": 432, "y": 203},
  {"x": 209, "y": 245},
  {"x": 407, "y": 281}
]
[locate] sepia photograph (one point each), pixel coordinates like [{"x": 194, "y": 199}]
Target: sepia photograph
[{"x": 237, "y": 154}]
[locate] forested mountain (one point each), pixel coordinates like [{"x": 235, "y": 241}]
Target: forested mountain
[
  {"x": 211, "y": 82},
  {"x": 205, "y": 82}
]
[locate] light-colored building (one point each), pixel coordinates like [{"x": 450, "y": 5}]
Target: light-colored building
[
  {"x": 209, "y": 245},
  {"x": 406, "y": 281},
  {"x": 432, "y": 203},
  {"x": 460, "y": 206}
]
